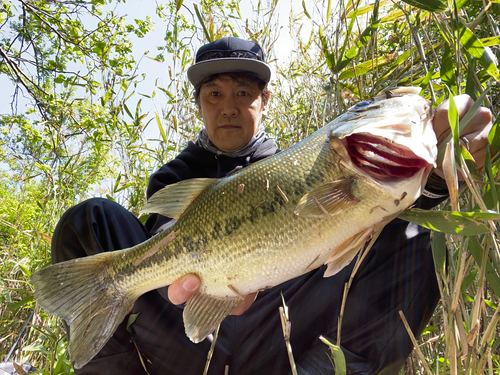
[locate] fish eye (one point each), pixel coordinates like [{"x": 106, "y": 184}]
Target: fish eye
[{"x": 361, "y": 105}]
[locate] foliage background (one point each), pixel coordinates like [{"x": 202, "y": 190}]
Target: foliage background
[{"x": 76, "y": 127}]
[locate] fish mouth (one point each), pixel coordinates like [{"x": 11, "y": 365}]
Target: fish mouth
[{"x": 382, "y": 159}]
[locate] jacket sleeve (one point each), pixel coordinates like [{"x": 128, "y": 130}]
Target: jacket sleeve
[{"x": 434, "y": 193}]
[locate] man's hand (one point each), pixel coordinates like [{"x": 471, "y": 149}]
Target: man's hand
[
  {"x": 476, "y": 132},
  {"x": 183, "y": 288}
]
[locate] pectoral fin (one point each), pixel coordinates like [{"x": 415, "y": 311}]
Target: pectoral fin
[
  {"x": 203, "y": 313},
  {"x": 327, "y": 200},
  {"x": 173, "y": 200}
]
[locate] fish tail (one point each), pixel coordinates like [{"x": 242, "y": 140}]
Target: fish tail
[{"x": 82, "y": 292}]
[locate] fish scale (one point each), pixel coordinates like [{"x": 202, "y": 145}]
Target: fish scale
[{"x": 275, "y": 220}]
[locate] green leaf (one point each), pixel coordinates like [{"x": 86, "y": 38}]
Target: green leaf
[
  {"x": 125, "y": 107},
  {"x": 14, "y": 306},
  {"x": 348, "y": 34},
  {"x": 392, "y": 16},
  {"x": 460, "y": 3},
  {"x": 448, "y": 72},
  {"x": 429, "y": 329},
  {"x": 491, "y": 178},
  {"x": 494, "y": 137},
  {"x": 453, "y": 120},
  {"x": 305, "y": 9},
  {"x": 329, "y": 57},
  {"x": 491, "y": 41},
  {"x": 328, "y": 10},
  {"x": 483, "y": 54},
  {"x": 117, "y": 182},
  {"x": 162, "y": 131},
  {"x": 488, "y": 197},
  {"x": 397, "y": 63},
  {"x": 59, "y": 78},
  {"x": 131, "y": 320},
  {"x": 25, "y": 270},
  {"x": 362, "y": 41},
  {"x": 468, "y": 280},
  {"x": 492, "y": 276},
  {"x": 424, "y": 81},
  {"x": 337, "y": 355},
  {"x": 451, "y": 222},
  {"x": 463, "y": 123},
  {"x": 436, "y": 6},
  {"x": 36, "y": 348},
  {"x": 439, "y": 252},
  {"x": 126, "y": 186},
  {"x": 365, "y": 67},
  {"x": 470, "y": 86},
  {"x": 143, "y": 218},
  {"x": 202, "y": 23}
]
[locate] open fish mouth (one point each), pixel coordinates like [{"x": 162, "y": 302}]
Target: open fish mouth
[{"x": 382, "y": 159}]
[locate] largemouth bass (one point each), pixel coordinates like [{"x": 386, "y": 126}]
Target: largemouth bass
[{"x": 316, "y": 203}]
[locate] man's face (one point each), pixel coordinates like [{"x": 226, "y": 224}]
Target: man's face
[{"x": 231, "y": 111}]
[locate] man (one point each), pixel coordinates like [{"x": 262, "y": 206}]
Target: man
[{"x": 230, "y": 77}]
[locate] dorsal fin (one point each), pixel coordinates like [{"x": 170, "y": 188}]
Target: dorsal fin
[{"x": 172, "y": 200}]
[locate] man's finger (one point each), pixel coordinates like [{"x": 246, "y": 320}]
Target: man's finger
[
  {"x": 479, "y": 126},
  {"x": 183, "y": 288}
]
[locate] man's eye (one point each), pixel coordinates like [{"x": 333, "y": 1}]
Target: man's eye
[
  {"x": 214, "y": 93},
  {"x": 242, "y": 93}
]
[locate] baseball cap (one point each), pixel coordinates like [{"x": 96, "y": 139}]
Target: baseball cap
[{"x": 227, "y": 55}]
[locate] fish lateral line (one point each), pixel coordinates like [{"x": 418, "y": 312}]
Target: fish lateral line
[{"x": 162, "y": 243}]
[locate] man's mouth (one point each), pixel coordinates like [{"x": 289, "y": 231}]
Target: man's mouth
[{"x": 229, "y": 126}]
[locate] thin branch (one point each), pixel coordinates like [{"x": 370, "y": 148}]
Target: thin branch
[
  {"x": 37, "y": 11},
  {"x": 21, "y": 77}
]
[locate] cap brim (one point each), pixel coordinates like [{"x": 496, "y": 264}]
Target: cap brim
[{"x": 199, "y": 71}]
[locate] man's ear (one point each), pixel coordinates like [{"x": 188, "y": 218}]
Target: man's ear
[{"x": 264, "y": 106}]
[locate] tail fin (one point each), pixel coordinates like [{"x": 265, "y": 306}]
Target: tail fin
[{"x": 82, "y": 293}]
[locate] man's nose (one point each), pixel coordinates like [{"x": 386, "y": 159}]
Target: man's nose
[{"x": 229, "y": 108}]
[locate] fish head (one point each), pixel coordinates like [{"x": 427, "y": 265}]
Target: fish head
[{"x": 389, "y": 138}]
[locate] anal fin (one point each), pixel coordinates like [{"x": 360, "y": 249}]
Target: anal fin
[{"x": 203, "y": 313}]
